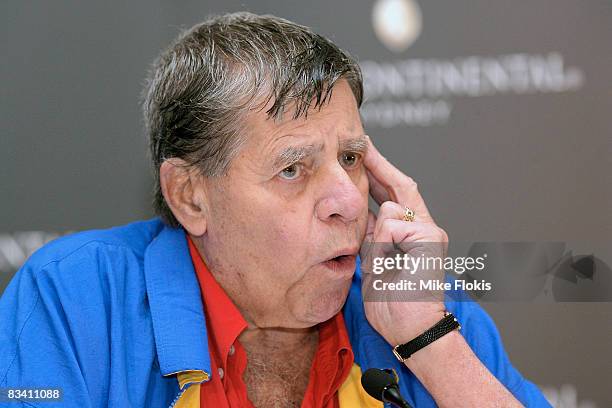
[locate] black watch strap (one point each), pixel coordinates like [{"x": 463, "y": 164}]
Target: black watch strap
[{"x": 446, "y": 325}]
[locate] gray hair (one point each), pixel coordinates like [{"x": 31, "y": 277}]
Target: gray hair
[{"x": 200, "y": 88}]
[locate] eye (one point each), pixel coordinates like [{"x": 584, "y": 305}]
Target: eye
[
  {"x": 291, "y": 172},
  {"x": 350, "y": 159}
]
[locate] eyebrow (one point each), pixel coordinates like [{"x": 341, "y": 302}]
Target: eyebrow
[
  {"x": 293, "y": 154},
  {"x": 355, "y": 144}
]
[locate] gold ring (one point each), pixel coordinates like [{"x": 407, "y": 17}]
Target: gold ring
[{"x": 408, "y": 214}]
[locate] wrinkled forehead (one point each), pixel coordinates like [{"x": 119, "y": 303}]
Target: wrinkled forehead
[{"x": 337, "y": 119}]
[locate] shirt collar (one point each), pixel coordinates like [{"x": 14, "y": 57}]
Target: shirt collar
[
  {"x": 332, "y": 362},
  {"x": 225, "y": 322},
  {"x": 174, "y": 297}
]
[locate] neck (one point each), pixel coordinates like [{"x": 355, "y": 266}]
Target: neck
[
  {"x": 279, "y": 363},
  {"x": 276, "y": 340}
]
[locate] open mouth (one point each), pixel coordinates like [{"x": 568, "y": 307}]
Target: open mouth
[{"x": 342, "y": 263}]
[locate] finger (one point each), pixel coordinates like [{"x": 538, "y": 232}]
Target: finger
[
  {"x": 396, "y": 231},
  {"x": 391, "y": 235},
  {"x": 378, "y": 192},
  {"x": 383, "y": 173},
  {"x": 411, "y": 238},
  {"x": 385, "y": 177},
  {"x": 390, "y": 209}
]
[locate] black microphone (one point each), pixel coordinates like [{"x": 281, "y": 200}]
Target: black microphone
[{"x": 382, "y": 385}]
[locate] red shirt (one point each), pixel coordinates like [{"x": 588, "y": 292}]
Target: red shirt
[{"x": 224, "y": 322}]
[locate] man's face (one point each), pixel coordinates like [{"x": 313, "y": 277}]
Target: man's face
[{"x": 294, "y": 197}]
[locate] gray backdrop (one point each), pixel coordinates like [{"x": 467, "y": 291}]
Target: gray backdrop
[{"x": 500, "y": 111}]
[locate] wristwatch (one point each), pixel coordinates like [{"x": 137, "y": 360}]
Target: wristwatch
[{"x": 446, "y": 325}]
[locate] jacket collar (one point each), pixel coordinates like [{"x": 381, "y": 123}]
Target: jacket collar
[{"x": 175, "y": 300}]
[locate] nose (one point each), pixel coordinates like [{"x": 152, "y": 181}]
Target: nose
[{"x": 341, "y": 199}]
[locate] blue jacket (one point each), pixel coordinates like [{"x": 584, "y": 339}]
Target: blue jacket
[{"x": 114, "y": 318}]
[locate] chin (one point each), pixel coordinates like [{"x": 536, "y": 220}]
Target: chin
[{"x": 325, "y": 306}]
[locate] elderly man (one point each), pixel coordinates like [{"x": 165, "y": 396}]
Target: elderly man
[{"x": 247, "y": 290}]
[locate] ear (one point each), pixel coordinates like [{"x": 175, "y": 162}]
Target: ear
[{"x": 184, "y": 190}]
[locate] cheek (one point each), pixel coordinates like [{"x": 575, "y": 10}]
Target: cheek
[
  {"x": 286, "y": 231},
  {"x": 281, "y": 238},
  {"x": 288, "y": 222}
]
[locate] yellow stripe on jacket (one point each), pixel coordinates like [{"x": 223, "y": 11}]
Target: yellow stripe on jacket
[
  {"x": 190, "y": 397},
  {"x": 352, "y": 394}
]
